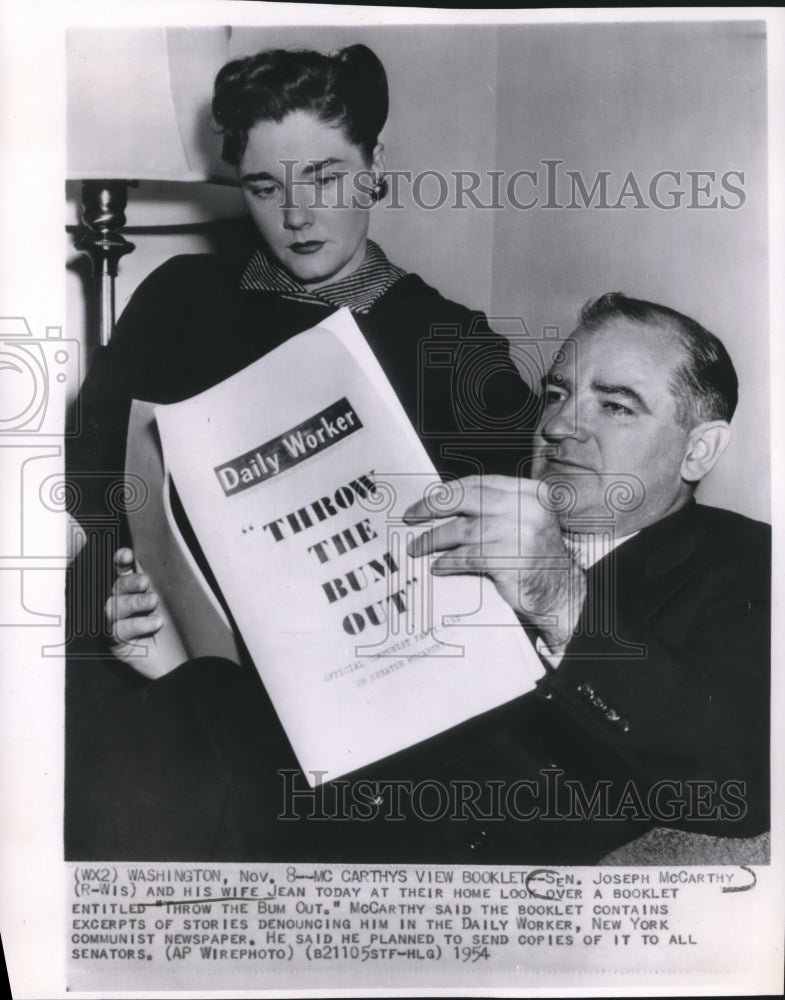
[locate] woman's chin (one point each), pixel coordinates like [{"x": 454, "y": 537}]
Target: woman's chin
[{"x": 309, "y": 271}]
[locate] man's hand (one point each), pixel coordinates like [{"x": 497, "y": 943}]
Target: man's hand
[
  {"x": 130, "y": 610},
  {"x": 503, "y": 530}
]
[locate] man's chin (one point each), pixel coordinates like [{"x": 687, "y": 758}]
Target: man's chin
[
  {"x": 560, "y": 492},
  {"x": 539, "y": 467},
  {"x": 580, "y": 498}
]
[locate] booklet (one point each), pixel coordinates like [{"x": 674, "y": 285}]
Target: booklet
[{"x": 294, "y": 475}]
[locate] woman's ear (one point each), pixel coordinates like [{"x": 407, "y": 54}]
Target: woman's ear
[
  {"x": 705, "y": 445},
  {"x": 378, "y": 160}
]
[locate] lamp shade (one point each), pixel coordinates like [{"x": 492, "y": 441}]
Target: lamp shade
[
  {"x": 139, "y": 104},
  {"x": 138, "y": 109}
]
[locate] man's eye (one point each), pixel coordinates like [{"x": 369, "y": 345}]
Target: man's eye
[
  {"x": 554, "y": 395},
  {"x": 617, "y": 409},
  {"x": 323, "y": 180}
]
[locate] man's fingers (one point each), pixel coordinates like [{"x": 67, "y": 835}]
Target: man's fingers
[
  {"x": 466, "y": 559},
  {"x": 503, "y": 484},
  {"x": 459, "y": 497},
  {"x": 445, "y": 536},
  {"x": 472, "y": 496},
  {"x": 490, "y": 534}
]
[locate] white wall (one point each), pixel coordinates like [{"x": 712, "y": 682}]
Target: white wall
[
  {"x": 622, "y": 98},
  {"x": 646, "y": 98}
]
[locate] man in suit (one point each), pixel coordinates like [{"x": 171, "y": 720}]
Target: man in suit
[{"x": 650, "y": 611}]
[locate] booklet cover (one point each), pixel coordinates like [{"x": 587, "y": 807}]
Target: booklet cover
[{"x": 294, "y": 475}]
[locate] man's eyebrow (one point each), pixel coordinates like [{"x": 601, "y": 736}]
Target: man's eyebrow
[{"x": 621, "y": 390}]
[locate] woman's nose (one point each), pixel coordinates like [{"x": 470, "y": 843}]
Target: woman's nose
[{"x": 296, "y": 217}]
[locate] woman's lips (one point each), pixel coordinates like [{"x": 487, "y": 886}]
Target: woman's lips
[{"x": 311, "y": 246}]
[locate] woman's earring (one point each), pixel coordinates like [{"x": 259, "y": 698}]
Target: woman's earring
[{"x": 379, "y": 190}]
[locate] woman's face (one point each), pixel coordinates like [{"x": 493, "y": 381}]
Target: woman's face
[{"x": 298, "y": 180}]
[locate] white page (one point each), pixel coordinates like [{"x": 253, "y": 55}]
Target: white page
[{"x": 303, "y": 528}]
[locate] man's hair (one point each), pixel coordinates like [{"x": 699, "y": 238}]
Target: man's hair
[{"x": 704, "y": 385}]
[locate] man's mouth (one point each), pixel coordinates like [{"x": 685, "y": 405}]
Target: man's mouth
[
  {"x": 310, "y": 246},
  {"x": 559, "y": 464}
]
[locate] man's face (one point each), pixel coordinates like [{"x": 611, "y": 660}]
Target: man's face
[
  {"x": 297, "y": 180},
  {"x": 609, "y": 416}
]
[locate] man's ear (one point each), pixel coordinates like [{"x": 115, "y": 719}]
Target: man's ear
[{"x": 705, "y": 445}]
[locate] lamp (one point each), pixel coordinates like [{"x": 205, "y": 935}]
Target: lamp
[{"x": 139, "y": 115}]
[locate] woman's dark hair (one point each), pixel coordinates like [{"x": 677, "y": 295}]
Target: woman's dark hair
[{"x": 347, "y": 89}]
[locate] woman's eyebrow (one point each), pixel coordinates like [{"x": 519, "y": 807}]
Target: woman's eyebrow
[
  {"x": 313, "y": 166},
  {"x": 260, "y": 175}
]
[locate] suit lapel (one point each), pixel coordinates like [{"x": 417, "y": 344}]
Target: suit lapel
[{"x": 644, "y": 566}]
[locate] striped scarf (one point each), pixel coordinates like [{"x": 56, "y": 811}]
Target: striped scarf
[{"x": 358, "y": 290}]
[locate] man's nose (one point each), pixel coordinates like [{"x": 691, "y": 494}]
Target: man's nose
[{"x": 560, "y": 421}]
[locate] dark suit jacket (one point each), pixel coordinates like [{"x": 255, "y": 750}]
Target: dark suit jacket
[{"x": 660, "y": 706}]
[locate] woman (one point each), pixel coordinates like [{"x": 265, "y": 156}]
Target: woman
[{"x": 197, "y": 752}]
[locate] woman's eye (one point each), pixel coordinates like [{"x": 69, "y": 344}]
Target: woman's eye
[
  {"x": 265, "y": 192},
  {"x": 323, "y": 180}
]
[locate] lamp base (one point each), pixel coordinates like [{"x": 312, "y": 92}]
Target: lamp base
[{"x": 103, "y": 212}]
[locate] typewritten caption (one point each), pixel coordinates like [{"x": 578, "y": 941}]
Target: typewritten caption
[{"x": 160, "y": 924}]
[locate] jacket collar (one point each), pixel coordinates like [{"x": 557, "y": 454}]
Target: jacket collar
[
  {"x": 673, "y": 540},
  {"x": 661, "y": 546},
  {"x": 358, "y": 290},
  {"x": 645, "y": 560}
]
